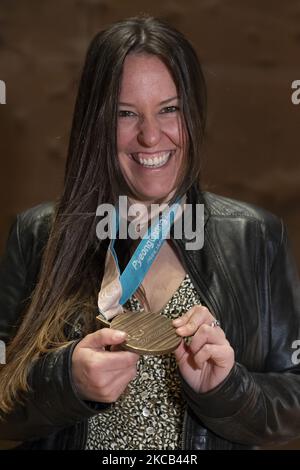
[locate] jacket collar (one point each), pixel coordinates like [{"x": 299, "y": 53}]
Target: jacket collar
[{"x": 196, "y": 196}]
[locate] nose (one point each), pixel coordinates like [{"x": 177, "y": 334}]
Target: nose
[{"x": 149, "y": 132}]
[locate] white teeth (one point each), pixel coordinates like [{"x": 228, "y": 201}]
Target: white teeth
[{"x": 159, "y": 160}]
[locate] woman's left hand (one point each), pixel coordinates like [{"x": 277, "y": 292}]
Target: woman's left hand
[{"x": 208, "y": 358}]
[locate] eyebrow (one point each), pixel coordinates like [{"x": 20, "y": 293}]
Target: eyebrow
[{"x": 122, "y": 103}]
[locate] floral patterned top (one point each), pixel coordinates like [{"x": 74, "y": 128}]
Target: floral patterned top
[{"x": 149, "y": 414}]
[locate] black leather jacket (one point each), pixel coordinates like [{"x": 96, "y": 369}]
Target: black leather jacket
[{"x": 246, "y": 276}]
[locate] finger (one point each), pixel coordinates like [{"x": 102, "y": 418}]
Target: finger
[
  {"x": 206, "y": 335},
  {"x": 185, "y": 318},
  {"x": 113, "y": 377},
  {"x": 113, "y": 360},
  {"x": 181, "y": 351},
  {"x": 107, "y": 380},
  {"x": 104, "y": 337},
  {"x": 108, "y": 388},
  {"x": 195, "y": 320},
  {"x": 219, "y": 354}
]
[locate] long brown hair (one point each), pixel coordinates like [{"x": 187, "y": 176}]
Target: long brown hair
[{"x": 72, "y": 266}]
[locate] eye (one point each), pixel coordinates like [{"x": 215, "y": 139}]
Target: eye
[
  {"x": 170, "y": 109},
  {"x": 124, "y": 113}
]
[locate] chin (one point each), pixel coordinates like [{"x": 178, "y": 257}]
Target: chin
[{"x": 157, "y": 196}]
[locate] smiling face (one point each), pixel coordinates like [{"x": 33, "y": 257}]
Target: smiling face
[{"x": 150, "y": 128}]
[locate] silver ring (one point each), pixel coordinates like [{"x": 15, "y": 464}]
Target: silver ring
[{"x": 215, "y": 323}]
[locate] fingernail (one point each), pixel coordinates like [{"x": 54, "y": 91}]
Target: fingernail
[{"x": 177, "y": 321}]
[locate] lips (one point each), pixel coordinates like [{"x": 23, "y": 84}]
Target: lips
[{"x": 153, "y": 160}]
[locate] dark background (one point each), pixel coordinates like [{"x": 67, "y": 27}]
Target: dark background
[{"x": 250, "y": 52}]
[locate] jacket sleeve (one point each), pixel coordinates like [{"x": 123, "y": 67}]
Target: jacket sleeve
[
  {"x": 12, "y": 284},
  {"x": 262, "y": 408},
  {"x": 53, "y": 402}
]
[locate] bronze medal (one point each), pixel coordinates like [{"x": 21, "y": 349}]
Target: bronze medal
[{"x": 148, "y": 333}]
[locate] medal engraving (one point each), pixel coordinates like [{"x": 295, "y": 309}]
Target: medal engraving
[{"x": 148, "y": 333}]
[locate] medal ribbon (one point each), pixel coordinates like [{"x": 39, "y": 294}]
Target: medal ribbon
[{"x": 117, "y": 288}]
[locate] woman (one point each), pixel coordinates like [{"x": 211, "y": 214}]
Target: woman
[{"x": 137, "y": 131}]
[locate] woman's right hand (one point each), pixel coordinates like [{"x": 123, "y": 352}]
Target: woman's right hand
[{"x": 99, "y": 374}]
